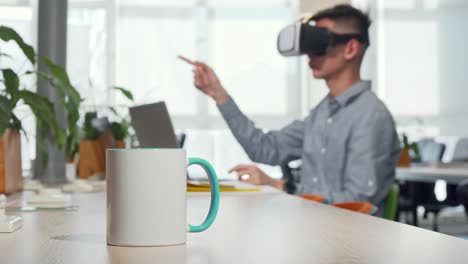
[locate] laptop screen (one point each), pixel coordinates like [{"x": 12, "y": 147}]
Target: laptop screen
[{"x": 153, "y": 126}]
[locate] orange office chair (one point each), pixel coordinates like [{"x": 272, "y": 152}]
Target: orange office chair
[
  {"x": 312, "y": 197},
  {"x": 359, "y": 207}
]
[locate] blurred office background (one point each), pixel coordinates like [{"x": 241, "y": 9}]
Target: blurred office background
[{"x": 417, "y": 61}]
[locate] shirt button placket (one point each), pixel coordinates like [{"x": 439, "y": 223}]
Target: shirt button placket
[{"x": 329, "y": 121}]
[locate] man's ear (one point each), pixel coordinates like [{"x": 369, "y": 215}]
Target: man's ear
[{"x": 352, "y": 49}]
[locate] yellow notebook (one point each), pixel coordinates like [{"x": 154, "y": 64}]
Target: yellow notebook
[{"x": 196, "y": 186}]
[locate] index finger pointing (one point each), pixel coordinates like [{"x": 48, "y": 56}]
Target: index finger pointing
[{"x": 187, "y": 60}]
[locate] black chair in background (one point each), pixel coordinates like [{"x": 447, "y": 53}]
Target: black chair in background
[
  {"x": 423, "y": 194},
  {"x": 414, "y": 194},
  {"x": 432, "y": 204},
  {"x": 411, "y": 195},
  {"x": 460, "y": 154}
]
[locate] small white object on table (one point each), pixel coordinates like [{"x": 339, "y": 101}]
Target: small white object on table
[{"x": 8, "y": 224}]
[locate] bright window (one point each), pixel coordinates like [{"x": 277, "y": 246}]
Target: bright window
[
  {"x": 411, "y": 58},
  {"x": 245, "y": 57},
  {"x": 137, "y": 46},
  {"x": 147, "y": 63},
  {"x": 20, "y": 18}
]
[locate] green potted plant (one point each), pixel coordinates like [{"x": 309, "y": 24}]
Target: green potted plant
[
  {"x": 92, "y": 158},
  {"x": 120, "y": 131},
  {"x": 405, "y": 155},
  {"x": 93, "y": 144},
  {"x": 13, "y": 95}
]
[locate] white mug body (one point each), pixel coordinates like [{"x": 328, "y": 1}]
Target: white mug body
[{"x": 146, "y": 197}]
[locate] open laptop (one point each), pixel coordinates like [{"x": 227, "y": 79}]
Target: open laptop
[
  {"x": 154, "y": 129},
  {"x": 153, "y": 126}
]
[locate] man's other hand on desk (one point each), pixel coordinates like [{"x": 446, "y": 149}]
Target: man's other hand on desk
[{"x": 253, "y": 175}]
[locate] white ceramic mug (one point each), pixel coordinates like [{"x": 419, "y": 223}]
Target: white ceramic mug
[{"x": 146, "y": 196}]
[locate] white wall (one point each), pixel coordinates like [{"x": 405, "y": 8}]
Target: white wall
[
  {"x": 420, "y": 63},
  {"x": 453, "y": 24}
]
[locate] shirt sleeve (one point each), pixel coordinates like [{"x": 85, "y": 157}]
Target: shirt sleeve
[
  {"x": 269, "y": 148},
  {"x": 370, "y": 168}
]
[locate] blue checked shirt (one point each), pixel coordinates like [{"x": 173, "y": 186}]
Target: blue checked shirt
[{"x": 348, "y": 145}]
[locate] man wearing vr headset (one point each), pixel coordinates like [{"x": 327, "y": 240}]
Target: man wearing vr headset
[{"x": 348, "y": 144}]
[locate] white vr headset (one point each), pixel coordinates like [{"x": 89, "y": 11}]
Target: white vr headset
[{"x": 305, "y": 38}]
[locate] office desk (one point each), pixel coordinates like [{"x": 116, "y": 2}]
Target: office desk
[
  {"x": 431, "y": 174},
  {"x": 250, "y": 228}
]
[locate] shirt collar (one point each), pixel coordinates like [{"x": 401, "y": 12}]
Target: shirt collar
[{"x": 351, "y": 93}]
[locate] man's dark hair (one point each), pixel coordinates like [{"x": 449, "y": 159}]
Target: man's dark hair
[{"x": 344, "y": 13}]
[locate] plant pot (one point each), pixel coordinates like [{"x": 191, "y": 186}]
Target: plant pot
[
  {"x": 405, "y": 158},
  {"x": 11, "y": 177},
  {"x": 92, "y": 159},
  {"x": 120, "y": 144}
]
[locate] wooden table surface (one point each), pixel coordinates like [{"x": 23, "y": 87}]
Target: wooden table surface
[{"x": 250, "y": 228}]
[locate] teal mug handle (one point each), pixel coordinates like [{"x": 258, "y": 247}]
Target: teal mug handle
[{"x": 214, "y": 204}]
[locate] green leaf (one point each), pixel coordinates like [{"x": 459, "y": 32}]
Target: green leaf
[
  {"x": 46, "y": 121},
  {"x": 405, "y": 141},
  {"x": 11, "y": 81},
  {"x": 90, "y": 133},
  {"x": 120, "y": 130},
  {"x": 7, "y": 34},
  {"x": 112, "y": 109},
  {"x": 15, "y": 124},
  {"x": 43, "y": 76},
  {"x": 70, "y": 98},
  {"x": 5, "y": 113},
  {"x": 43, "y": 155},
  {"x": 413, "y": 146},
  {"x": 60, "y": 80},
  {"x": 5, "y": 55},
  {"x": 29, "y": 72},
  {"x": 125, "y": 92},
  {"x": 72, "y": 143},
  {"x": 44, "y": 112}
]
